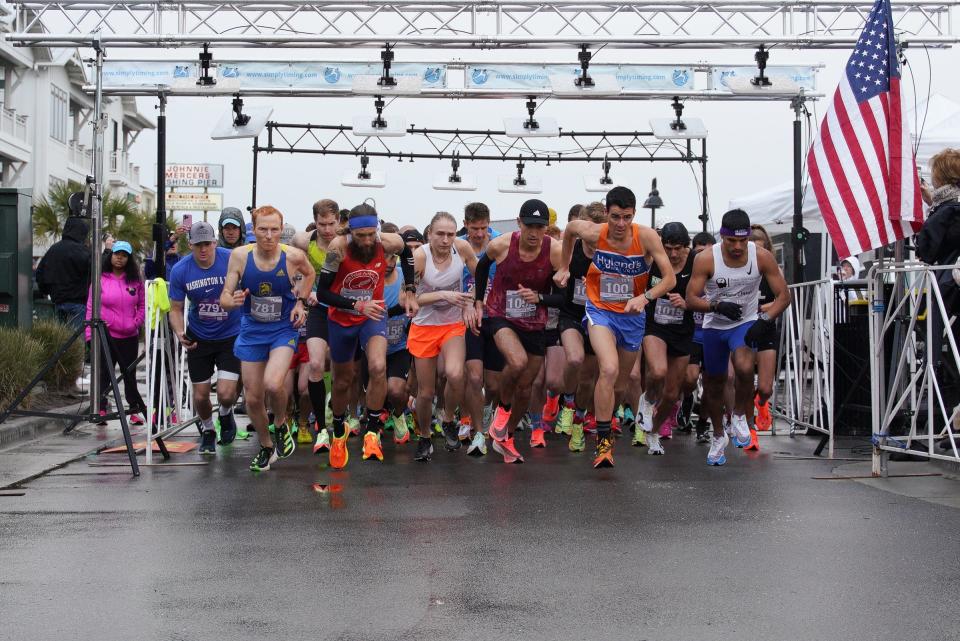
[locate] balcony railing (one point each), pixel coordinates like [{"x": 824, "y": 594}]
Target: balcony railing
[
  {"x": 122, "y": 167},
  {"x": 79, "y": 156},
  {"x": 13, "y": 125}
]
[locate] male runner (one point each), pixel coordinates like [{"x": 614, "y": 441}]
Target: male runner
[
  {"x": 517, "y": 309},
  {"x": 260, "y": 278},
  {"x": 731, "y": 272},
  {"x": 703, "y": 240},
  {"x": 616, "y": 296},
  {"x": 210, "y": 337},
  {"x": 351, "y": 284}
]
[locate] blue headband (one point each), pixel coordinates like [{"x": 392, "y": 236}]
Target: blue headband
[
  {"x": 364, "y": 221},
  {"x": 736, "y": 233}
]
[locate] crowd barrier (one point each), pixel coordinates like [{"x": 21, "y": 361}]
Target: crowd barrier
[
  {"x": 914, "y": 380},
  {"x": 803, "y": 387}
]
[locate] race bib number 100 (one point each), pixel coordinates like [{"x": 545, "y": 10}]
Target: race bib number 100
[{"x": 616, "y": 288}]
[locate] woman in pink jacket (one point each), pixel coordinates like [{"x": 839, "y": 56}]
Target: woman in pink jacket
[{"x": 122, "y": 309}]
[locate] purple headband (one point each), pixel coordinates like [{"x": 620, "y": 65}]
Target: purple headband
[{"x": 736, "y": 233}]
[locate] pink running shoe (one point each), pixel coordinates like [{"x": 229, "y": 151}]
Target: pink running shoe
[
  {"x": 666, "y": 430},
  {"x": 135, "y": 419},
  {"x": 498, "y": 428}
]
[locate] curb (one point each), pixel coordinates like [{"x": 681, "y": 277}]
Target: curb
[{"x": 19, "y": 429}]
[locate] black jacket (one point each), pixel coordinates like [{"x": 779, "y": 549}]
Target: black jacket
[
  {"x": 64, "y": 271},
  {"x": 938, "y": 242}
]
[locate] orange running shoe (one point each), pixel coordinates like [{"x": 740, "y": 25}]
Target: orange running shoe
[
  {"x": 536, "y": 438},
  {"x": 508, "y": 450},
  {"x": 551, "y": 408},
  {"x": 603, "y": 456},
  {"x": 339, "y": 455},
  {"x": 754, "y": 443},
  {"x": 498, "y": 428},
  {"x": 764, "y": 420},
  {"x": 371, "y": 446}
]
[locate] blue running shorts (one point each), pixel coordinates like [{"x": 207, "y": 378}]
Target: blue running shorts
[
  {"x": 257, "y": 340},
  {"x": 627, "y": 328},
  {"x": 344, "y": 341},
  {"x": 718, "y": 344}
]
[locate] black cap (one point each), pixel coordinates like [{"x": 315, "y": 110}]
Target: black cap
[
  {"x": 675, "y": 233},
  {"x": 412, "y": 236},
  {"x": 535, "y": 212},
  {"x": 735, "y": 223}
]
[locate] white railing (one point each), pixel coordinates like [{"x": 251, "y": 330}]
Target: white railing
[
  {"x": 13, "y": 125},
  {"x": 80, "y": 157},
  {"x": 906, "y": 383},
  {"x": 803, "y": 388}
]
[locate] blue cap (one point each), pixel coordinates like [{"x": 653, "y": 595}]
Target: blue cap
[{"x": 122, "y": 246}]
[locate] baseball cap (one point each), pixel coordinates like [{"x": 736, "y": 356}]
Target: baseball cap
[
  {"x": 202, "y": 232},
  {"x": 233, "y": 217},
  {"x": 535, "y": 212},
  {"x": 122, "y": 246},
  {"x": 675, "y": 233},
  {"x": 412, "y": 236},
  {"x": 735, "y": 223}
]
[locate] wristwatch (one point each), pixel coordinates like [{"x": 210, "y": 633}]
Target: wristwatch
[
  {"x": 763, "y": 316},
  {"x": 646, "y": 295}
]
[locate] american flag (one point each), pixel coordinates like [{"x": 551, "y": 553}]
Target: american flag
[{"x": 862, "y": 165}]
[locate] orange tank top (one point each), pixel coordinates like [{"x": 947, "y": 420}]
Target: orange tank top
[{"x": 614, "y": 278}]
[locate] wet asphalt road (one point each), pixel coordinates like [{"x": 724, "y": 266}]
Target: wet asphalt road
[{"x": 656, "y": 548}]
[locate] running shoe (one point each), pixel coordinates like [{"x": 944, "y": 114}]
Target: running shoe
[
  {"x": 716, "y": 455},
  {"x": 741, "y": 431},
  {"x": 487, "y": 417},
  {"x": 754, "y": 444},
  {"x": 208, "y": 442},
  {"x": 304, "y": 437},
  {"x": 339, "y": 454},
  {"x": 577, "y": 441},
  {"x": 353, "y": 426},
  {"x": 242, "y": 434},
  {"x": 478, "y": 446},
  {"x": 102, "y": 421},
  {"x": 436, "y": 427},
  {"x": 371, "y": 446},
  {"x": 667, "y": 427},
  {"x": 653, "y": 444},
  {"x": 645, "y": 414},
  {"x": 388, "y": 424},
  {"x": 551, "y": 408},
  {"x": 261, "y": 462},
  {"x": 590, "y": 423},
  {"x": 401, "y": 433},
  {"x": 629, "y": 420},
  {"x": 284, "y": 441},
  {"x": 135, "y": 419},
  {"x": 639, "y": 437},
  {"x": 293, "y": 425},
  {"x": 424, "y": 450},
  {"x": 451, "y": 435},
  {"x": 764, "y": 421},
  {"x": 703, "y": 437},
  {"x": 536, "y": 438},
  {"x": 565, "y": 424},
  {"x": 603, "y": 455},
  {"x": 465, "y": 432},
  {"x": 228, "y": 429},
  {"x": 322, "y": 444},
  {"x": 524, "y": 423},
  {"x": 498, "y": 428},
  {"x": 508, "y": 450},
  {"x": 727, "y": 426}
]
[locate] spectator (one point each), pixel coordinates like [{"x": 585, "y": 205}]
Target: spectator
[
  {"x": 122, "y": 309},
  {"x": 231, "y": 227},
  {"x": 64, "y": 273}
]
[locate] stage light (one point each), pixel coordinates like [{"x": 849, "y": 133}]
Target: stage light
[
  {"x": 519, "y": 184},
  {"x": 679, "y": 127},
  {"x": 761, "y": 85},
  {"x": 600, "y": 184},
  {"x": 236, "y": 123},
  {"x": 455, "y": 181},
  {"x": 379, "y": 126},
  {"x": 584, "y": 85},
  {"x": 531, "y": 127},
  {"x": 385, "y": 84},
  {"x": 365, "y": 178}
]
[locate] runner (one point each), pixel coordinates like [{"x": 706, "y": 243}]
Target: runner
[
  {"x": 351, "y": 284},
  {"x": 325, "y": 216},
  {"x": 548, "y": 386},
  {"x": 616, "y": 285},
  {"x": 766, "y": 347},
  {"x": 730, "y": 273},
  {"x": 260, "y": 279},
  {"x": 398, "y": 358},
  {"x": 668, "y": 338},
  {"x": 211, "y": 333},
  {"x": 703, "y": 240},
  {"x": 516, "y": 305},
  {"x": 445, "y": 311}
]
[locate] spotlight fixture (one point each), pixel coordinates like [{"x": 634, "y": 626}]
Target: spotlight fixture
[
  {"x": 379, "y": 127},
  {"x": 530, "y": 126},
  {"x": 454, "y": 181},
  {"x": 386, "y": 84},
  {"x": 761, "y": 85},
  {"x": 205, "y": 79},
  {"x": 519, "y": 184},
  {"x": 667, "y": 129},
  {"x": 584, "y": 84},
  {"x": 237, "y": 124},
  {"x": 365, "y": 178},
  {"x": 600, "y": 184}
]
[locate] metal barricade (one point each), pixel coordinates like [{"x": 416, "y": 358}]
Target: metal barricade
[
  {"x": 914, "y": 374},
  {"x": 803, "y": 387}
]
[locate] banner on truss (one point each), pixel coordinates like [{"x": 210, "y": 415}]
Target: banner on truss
[
  {"x": 804, "y": 77},
  {"x": 629, "y": 77}
]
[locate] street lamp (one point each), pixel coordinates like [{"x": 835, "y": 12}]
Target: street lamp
[{"x": 653, "y": 203}]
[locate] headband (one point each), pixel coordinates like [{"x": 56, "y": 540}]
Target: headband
[
  {"x": 736, "y": 233},
  {"x": 363, "y": 221}
]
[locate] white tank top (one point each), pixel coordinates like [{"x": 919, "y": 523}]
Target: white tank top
[
  {"x": 740, "y": 285},
  {"x": 434, "y": 280}
]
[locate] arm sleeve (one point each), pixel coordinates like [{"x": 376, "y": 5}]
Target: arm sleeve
[
  {"x": 396, "y": 310},
  {"x": 406, "y": 264},
  {"x": 555, "y": 297},
  {"x": 324, "y": 295},
  {"x": 481, "y": 276}
]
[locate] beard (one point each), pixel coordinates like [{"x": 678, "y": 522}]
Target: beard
[{"x": 362, "y": 254}]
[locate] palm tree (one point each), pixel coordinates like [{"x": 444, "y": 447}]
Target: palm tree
[{"x": 49, "y": 214}]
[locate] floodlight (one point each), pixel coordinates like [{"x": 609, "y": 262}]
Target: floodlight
[
  {"x": 681, "y": 128},
  {"x": 378, "y": 126},
  {"x": 602, "y": 183},
  {"x": 530, "y": 127},
  {"x": 237, "y": 123},
  {"x": 455, "y": 181},
  {"x": 365, "y": 177},
  {"x": 519, "y": 184}
]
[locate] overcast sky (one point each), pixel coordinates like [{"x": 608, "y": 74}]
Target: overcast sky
[{"x": 749, "y": 144}]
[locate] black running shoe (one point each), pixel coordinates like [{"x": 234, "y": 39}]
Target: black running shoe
[
  {"x": 424, "y": 450},
  {"x": 451, "y": 433},
  {"x": 284, "y": 441},
  {"x": 208, "y": 442},
  {"x": 261, "y": 462},
  {"x": 228, "y": 429}
]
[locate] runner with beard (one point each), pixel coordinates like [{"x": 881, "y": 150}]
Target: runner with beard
[{"x": 351, "y": 284}]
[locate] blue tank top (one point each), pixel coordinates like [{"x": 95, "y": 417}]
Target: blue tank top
[
  {"x": 397, "y": 326},
  {"x": 271, "y": 297}
]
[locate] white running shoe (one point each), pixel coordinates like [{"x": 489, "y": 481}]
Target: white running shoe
[
  {"x": 653, "y": 444},
  {"x": 478, "y": 446},
  {"x": 741, "y": 430},
  {"x": 322, "y": 444},
  {"x": 716, "y": 456},
  {"x": 727, "y": 426},
  {"x": 464, "y": 433},
  {"x": 645, "y": 412}
]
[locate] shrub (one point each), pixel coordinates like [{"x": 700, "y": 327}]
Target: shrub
[
  {"x": 22, "y": 357},
  {"x": 52, "y": 335}
]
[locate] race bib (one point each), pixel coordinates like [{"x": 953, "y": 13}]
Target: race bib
[
  {"x": 698, "y": 318},
  {"x": 553, "y": 317},
  {"x": 666, "y": 314},
  {"x": 396, "y": 330},
  {"x": 517, "y": 307},
  {"x": 210, "y": 310},
  {"x": 616, "y": 288},
  {"x": 356, "y": 294},
  {"x": 580, "y": 291},
  {"x": 266, "y": 309}
]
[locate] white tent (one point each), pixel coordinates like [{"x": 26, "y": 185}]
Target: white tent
[
  {"x": 774, "y": 206},
  {"x": 939, "y": 119}
]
